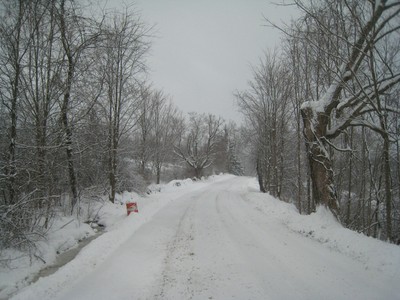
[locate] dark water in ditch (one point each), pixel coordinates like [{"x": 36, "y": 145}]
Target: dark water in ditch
[{"x": 65, "y": 258}]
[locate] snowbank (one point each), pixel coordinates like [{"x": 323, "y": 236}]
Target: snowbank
[
  {"x": 322, "y": 227},
  {"x": 17, "y": 269}
]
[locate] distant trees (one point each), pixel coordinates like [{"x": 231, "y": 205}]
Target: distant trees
[
  {"x": 233, "y": 162},
  {"x": 341, "y": 77},
  {"x": 145, "y": 113},
  {"x": 265, "y": 106},
  {"x": 207, "y": 145},
  {"x": 197, "y": 145},
  {"x": 158, "y": 128},
  {"x": 167, "y": 126}
]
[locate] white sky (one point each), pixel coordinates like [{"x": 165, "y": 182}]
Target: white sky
[{"x": 204, "y": 48}]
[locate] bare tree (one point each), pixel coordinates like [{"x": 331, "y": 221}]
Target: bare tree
[
  {"x": 233, "y": 164},
  {"x": 41, "y": 92},
  {"x": 197, "y": 147},
  {"x": 266, "y": 106},
  {"x": 121, "y": 67},
  {"x": 75, "y": 40},
  {"x": 349, "y": 95},
  {"x": 12, "y": 52},
  {"x": 166, "y": 124},
  {"x": 13, "y": 48},
  {"x": 145, "y": 114},
  {"x": 69, "y": 91}
]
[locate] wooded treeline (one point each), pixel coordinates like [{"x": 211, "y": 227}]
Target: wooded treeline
[
  {"x": 80, "y": 118},
  {"x": 324, "y": 113}
]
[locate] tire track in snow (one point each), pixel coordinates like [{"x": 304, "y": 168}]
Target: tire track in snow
[{"x": 179, "y": 252}]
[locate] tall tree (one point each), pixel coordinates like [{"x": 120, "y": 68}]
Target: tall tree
[
  {"x": 166, "y": 124},
  {"x": 41, "y": 92},
  {"x": 265, "y": 105},
  {"x": 75, "y": 40},
  {"x": 121, "y": 67},
  {"x": 12, "y": 52},
  {"x": 145, "y": 114},
  {"x": 369, "y": 23}
]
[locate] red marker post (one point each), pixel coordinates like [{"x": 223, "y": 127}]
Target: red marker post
[{"x": 131, "y": 207}]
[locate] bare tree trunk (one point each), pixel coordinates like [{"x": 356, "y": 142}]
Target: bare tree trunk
[
  {"x": 112, "y": 152},
  {"x": 64, "y": 109},
  {"x": 12, "y": 169},
  {"x": 281, "y": 166},
  {"x": 299, "y": 179},
  {"x": 112, "y": 173},
  {"x": 310, "y": 203},
  {"x": 350, "y": 162},
  {"x": 398, "y": 181},
  {"x": 382, "y": 115},
  {"x": 260, "y": 175},
  {"x": 388, "y": 188},
  {"x": 158, "y": 173},
  {"x": 198, "y": 172},
  {"x": 398, "y": 162},
  {"x": 274, "y": 157},
  {"x": 323, "y": 189},
  {"x": 362, "y": 193}
]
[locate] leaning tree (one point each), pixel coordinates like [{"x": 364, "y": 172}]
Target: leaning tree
[{"x": 352, "y": 33}]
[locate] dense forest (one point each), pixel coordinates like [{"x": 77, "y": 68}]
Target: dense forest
[
  {"x": 323, "y": 111},
  {"x": 80, "y": 116}
]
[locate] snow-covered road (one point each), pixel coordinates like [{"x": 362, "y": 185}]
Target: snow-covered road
[{"x": 216, "y": 243}]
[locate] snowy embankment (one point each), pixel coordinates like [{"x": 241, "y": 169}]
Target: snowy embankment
[
  {"x": 18, "y": 269},
  {"x": 322, "y": 227}
]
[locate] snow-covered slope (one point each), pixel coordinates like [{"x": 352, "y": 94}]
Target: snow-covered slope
[{"x": 221, "y": 239}]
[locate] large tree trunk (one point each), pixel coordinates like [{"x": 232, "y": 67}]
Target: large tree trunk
[
  {"x": 198, "y": 172},
  {"x": 158, "y": 173},
  {"x": 388, "y": 188},
  {"x": 362, "y": 193},
  {"x": 310, "y": 204},
  {"x": 299, "y": 177},
  {"x": 112, "y": 176},
  {"x": 112, "y": 163},
  {"x": 323, "y": 188},
  {"x": 69, "y": 152},
  {"x": 260, "y": 174},
  {"x": 349, "y": 187}
]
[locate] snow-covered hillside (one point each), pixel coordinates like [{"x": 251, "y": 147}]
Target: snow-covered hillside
[{"x": 222, "y": 239}]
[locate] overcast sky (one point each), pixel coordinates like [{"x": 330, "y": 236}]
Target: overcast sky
[{"x": 204, "y": 49}]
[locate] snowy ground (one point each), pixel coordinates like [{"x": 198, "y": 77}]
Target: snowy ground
[{"x": 221, "y": 239}]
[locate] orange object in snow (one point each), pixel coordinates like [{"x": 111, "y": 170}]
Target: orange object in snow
[{"x": 131, "y": 207}]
